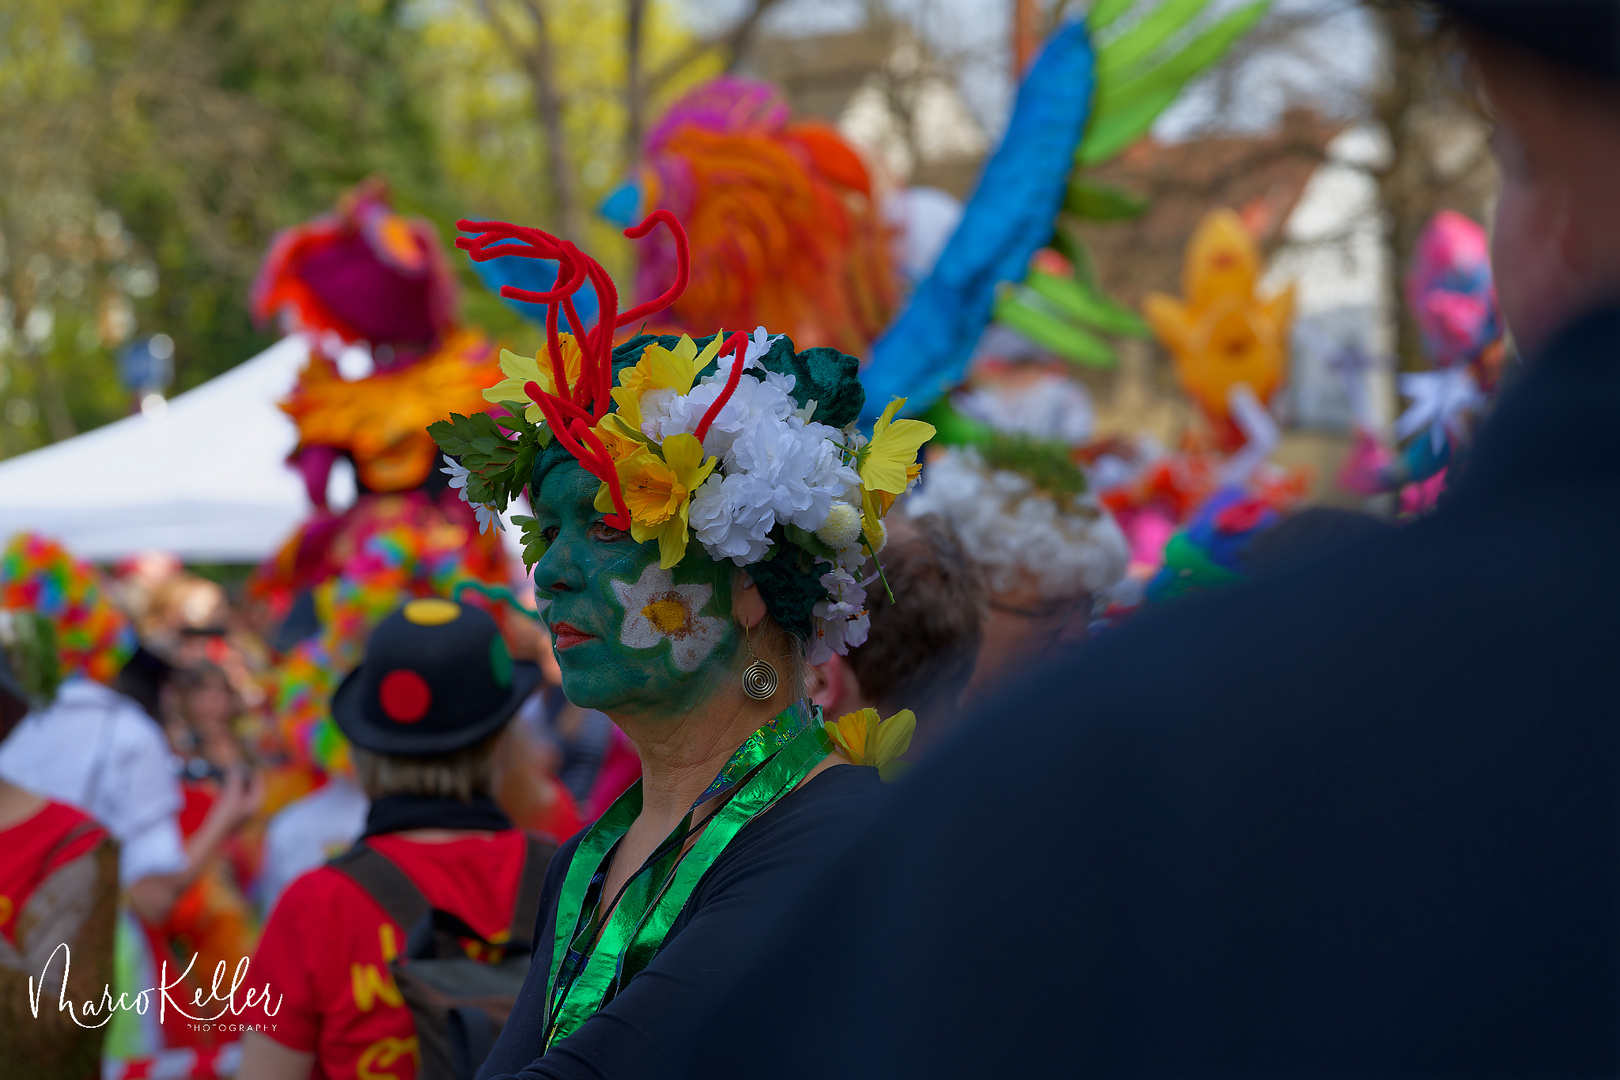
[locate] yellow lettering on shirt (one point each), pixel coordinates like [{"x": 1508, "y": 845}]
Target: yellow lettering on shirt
[
  {"x": 7, "y": 909},
  {"x": 388, "y": 1054},
  {"x": 369, "y": 984},
  {"x": 385, "y": 940}
]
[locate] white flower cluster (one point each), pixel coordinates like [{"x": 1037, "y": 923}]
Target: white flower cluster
[
  {"x": 1017, "y": 532},
  {"x": 776, "y": 464}
]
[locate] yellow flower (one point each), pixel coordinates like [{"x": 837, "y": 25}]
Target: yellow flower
[
  {"x": 522, "y": 370},
  {"x": 619, "y": 439},
  {"x": 865, "y": 740},
  {"x": 669, "y": 369},
  {"x": 888, "y": 464},
  {"x": 886, "y": 461},
  {"x": 658, "y": 493},
  {"x": 628, "y": 399}
]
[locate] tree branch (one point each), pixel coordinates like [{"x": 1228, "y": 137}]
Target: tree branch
[{"x": 733, "y": 43}]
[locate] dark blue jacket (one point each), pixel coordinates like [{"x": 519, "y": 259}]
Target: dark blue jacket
[{"x": 1358, "y": 818}]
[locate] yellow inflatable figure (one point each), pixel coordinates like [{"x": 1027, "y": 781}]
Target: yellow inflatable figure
[{"x": 1223, "y": 334}]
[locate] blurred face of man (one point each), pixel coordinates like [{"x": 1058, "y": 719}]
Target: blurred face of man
[{"x": 1556, "y": 242}]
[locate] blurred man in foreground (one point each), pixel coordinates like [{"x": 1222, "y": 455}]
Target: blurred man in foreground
[{"x": 1357, "y": 818}]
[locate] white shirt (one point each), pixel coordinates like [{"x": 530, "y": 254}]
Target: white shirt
[
  {"x": 97, "y": 750},
  {"x": 306, "y": 832}
]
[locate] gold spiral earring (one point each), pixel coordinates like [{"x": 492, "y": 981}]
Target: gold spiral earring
[{"x": 758, "y": 678}]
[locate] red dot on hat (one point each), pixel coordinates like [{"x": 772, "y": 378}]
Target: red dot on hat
[{"x": 404, "y": 696}]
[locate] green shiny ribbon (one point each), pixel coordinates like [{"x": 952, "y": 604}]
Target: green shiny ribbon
[{"x": 591, "y": 964}]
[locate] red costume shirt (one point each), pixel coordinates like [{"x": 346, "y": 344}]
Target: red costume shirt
[
  {"x": 326, "y": 949},
  {"x": 34, "y": 849}
]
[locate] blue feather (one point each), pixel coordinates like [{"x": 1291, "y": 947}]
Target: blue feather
[
  {"x": 1010, "y": 216},
  {"x": 536, "y": 275}
]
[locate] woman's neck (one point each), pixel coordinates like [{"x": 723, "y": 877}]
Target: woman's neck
[{"x": 681, "y": 756}]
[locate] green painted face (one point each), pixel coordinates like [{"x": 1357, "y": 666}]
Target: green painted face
[{"x": 629, "y": 637}]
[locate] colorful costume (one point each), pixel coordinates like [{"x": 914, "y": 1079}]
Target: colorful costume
[
  {"x": 747, "y": 447},
  {"x": 782, "y": 218},
  {"x": 1452, "y": 297},
  {"x": 365, "y": 274}
]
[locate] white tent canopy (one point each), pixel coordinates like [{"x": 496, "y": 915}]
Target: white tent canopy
[{"x": 205, "y": 479}]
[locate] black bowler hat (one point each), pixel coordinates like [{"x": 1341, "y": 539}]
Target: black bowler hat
[
  {"x": 1579, "y": 34},
  {"x": 436, "y": 679}
]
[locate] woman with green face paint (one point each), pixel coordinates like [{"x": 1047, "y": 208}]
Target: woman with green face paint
[{"x": 706, "y": 518}]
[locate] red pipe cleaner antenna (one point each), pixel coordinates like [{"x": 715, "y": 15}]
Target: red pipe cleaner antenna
[
  {"x": 738, "y": 345},
  {"x": 573, "y": 410}
]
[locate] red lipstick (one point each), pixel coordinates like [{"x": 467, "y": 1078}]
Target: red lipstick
[{"x": 566, "y": 636}]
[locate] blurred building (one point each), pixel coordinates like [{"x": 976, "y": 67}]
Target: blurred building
[{"x": 888, "y": 93}]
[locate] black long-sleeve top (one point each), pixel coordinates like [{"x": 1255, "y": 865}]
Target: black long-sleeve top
[{"x": 731, "y": 915}]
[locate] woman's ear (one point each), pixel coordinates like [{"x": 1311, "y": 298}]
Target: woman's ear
[
  {"x": 825, "y": 685},
  {"x": 747, "y": 605}
]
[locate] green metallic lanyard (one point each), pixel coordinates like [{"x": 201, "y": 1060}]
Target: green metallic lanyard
[{"x": 588, "y": 967}]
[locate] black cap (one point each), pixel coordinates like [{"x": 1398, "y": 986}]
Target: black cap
[
  {"x": 436, "y": 678},
  {"x": 1583, "y": 35}
]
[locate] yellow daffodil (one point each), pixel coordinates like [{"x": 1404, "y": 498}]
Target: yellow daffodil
[
  {"x": 658, "y": 493},
  {"x": 522, "y": 370},
  {"x": 669, "y": 369},
  {"x": 886, "y": 461},
  {"x": 628, "y": 399},
  {"x": 888, "y": 464},
  {"x": 619, "y": 439},
  {"x": 865, "y": 740}
]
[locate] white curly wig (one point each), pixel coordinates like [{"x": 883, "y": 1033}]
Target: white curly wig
[{"x": 1013, "y": 529}]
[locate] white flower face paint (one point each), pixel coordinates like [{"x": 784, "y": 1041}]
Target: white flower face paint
[{"x": 656, "y": 609}]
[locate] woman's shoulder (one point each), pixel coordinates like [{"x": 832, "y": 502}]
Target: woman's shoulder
[{"x": 825, "y": 811}]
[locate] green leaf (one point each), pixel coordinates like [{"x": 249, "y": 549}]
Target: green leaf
[
  {"x": 477, "y": 440},
  {"x": 1124, "y": 109},
  {"x": 1104, "y": 12},
  {"x": 535, "y": 545},
  {"x": 1186, "y": 64},
  {"x": 1152, "y": 31},
  {"x": 951, "y": 427},
  {"x": 1074, "y": 299},
  {"x": 1112, "y": 132},
  {"x": 1096, "y": 201},
  {"x": 810, "y": 542},
  {"x": 1049, "y": 331},
  {"x": 1068, "y": 242}
]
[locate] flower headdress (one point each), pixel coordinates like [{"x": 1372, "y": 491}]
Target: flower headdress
[{"x": 767, "y": 471}]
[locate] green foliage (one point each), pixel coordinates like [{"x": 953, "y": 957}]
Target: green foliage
[
  {"x": 953, "y": 428},
  {"x": 1045, "y": 464},
  {"x": 29, "y": 643},
  {"x": 534, "y": 543},
  {"x": 809, "y": 542},
  {"x": 1023, "y": 310},
  {"x": 1148, "y": 34},
  {"x": 497, "y": 467},
  {"x": 1096, "y": 201},
  {"x": 1104, "y": 12},
  {"x": 150, "y": 149},
  {"x": 1080, "y": 301},
  {"x": 1143, "y": 70},
  {"x": 1112, "y": 131}
]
